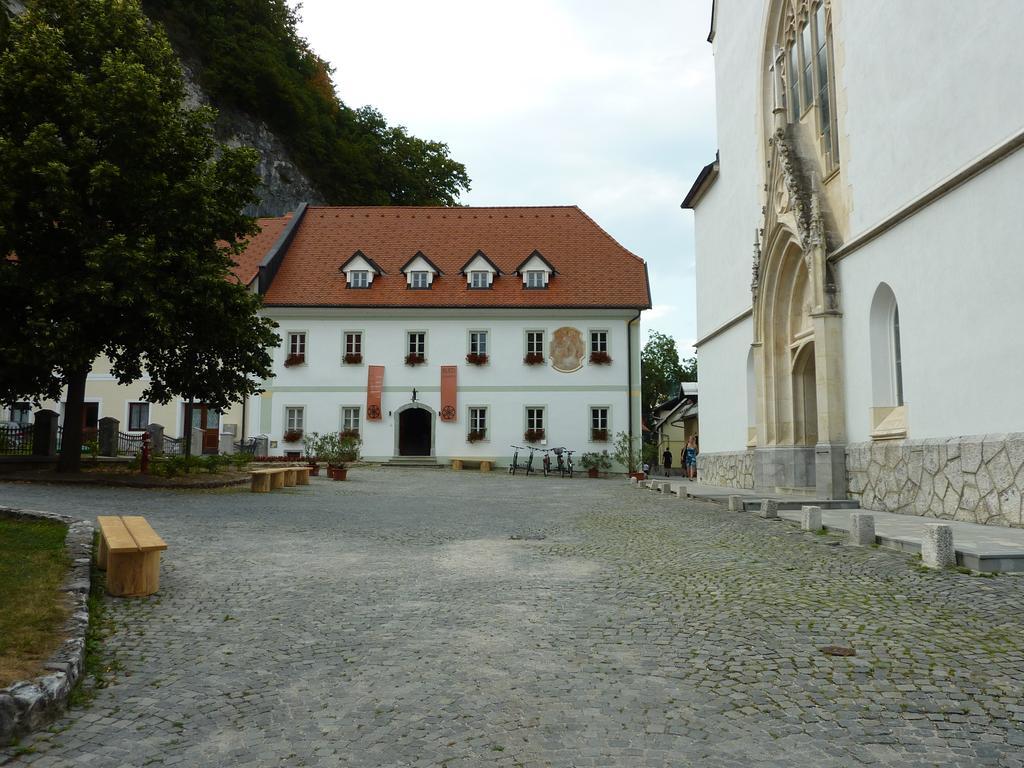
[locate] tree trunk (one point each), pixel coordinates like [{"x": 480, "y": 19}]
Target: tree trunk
[{"x": 70, "y": 459}]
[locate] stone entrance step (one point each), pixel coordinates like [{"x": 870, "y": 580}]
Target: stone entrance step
[{"x": 415, "y": 462}]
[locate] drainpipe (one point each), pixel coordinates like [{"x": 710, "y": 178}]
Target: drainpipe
[{"x": 629, "y": 375}]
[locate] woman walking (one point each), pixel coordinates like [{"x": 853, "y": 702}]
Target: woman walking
[{"x": 690, "y": 457}]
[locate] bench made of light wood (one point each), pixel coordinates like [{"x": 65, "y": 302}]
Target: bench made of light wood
[
  {"x": 267, "y": 480},
  {"x": 486, "y": 465},
  {"x": 129, "y": 552}
]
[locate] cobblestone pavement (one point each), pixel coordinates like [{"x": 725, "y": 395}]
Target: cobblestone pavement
[{"x": 393, "y": 621}]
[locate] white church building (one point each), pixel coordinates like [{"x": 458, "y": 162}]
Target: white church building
[
  {"x": 860, "y": 265},
  {"x": 449, "y": 332}
]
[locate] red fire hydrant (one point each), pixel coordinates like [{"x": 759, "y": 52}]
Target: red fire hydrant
[{"x": 144, "y": 460}]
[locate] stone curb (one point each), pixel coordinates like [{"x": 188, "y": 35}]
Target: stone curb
[
  {"x": 109, "y": 483},
  {"x": 30, "y": 704}
]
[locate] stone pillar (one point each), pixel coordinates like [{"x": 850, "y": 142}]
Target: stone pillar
[
  {"x": 937, "y": 546},
  {"x": 262, "y": 446},
  {"x": 226, "y": 446},
  {"x": 810, "y": 518},
  {"x": 156, "y": 438},
  {"x": 862, "y": 529},
  {"x": 735, "y": 504},
  {"x": 44, "y": 433},
  {"x": 769, "y": 509},
  {"x": 197, "y": 442},
  {"x": 106, "y": 434},
  {"x": 830, "y": 451}
]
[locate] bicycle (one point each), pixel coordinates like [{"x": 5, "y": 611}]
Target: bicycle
[
  {"x": 560, "y": 455},
  {"x": 529, "y": 460},
  {"x": 569, "y": 464},
  {"x": 546, "y": 461},
  {"x": 515, "y": 459}
]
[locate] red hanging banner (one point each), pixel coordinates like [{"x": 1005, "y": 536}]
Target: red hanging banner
[
  {"x": 449, "y": 393},
  {"x": 374, "y": 388}
]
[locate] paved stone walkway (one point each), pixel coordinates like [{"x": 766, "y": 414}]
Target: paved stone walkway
[{"x": 392, "y": 621}]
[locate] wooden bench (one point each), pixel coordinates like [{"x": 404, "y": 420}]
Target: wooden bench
[
  {"x": 486, "y": 465},
  {"x": 129, "y": 552},
  {"x": 267, "y": 480}
]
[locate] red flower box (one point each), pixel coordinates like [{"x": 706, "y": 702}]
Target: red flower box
[
  {"x": 294, "y": 360},
  {"x": 476, "y": 359},
  {"x": 353, "y": 358},
  {"x": 534, "y": 358},
  {"x": 293, "y": 435},
  {"x": 414, "y": 359},
  {"x": 599, "y": 435},
  {"x": 533, "y": 435},
  {"x": 476, "y": 435},
  {"x": 600, "y": 358}
]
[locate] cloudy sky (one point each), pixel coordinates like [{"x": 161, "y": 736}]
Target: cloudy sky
[{"x": 599, "y": 103}]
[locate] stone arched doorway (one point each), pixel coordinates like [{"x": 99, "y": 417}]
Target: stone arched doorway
[{"x": 414, "y": 430}]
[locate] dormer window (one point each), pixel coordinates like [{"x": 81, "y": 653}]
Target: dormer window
[
  {"x": 480, "y": 272},
  {"x": 420, "y": 272},
  {"x": 360, "y": 270},
  {"x": 536, "y": 271}
]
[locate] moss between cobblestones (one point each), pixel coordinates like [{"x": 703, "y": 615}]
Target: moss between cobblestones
[{"x": 97, "y": 670}]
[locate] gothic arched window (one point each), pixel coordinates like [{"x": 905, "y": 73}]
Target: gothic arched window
[{"x": 810, "y": 73}]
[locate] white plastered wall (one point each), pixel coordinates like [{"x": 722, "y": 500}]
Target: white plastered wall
[
  {"x": 957, "y": 271},
  {"x": 723, "y": 390}
]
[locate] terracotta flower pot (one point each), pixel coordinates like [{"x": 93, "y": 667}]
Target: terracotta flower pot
[
  {"x": 593, "y": 472},
  {"x": 337, "y": 473}
]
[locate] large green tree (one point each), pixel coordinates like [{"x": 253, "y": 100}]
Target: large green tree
[
  {"x": 114, "y": 213},
  {"x": 661, "y": 370}
]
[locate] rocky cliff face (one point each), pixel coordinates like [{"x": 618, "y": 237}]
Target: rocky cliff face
[{"x": 283, "y": 186}]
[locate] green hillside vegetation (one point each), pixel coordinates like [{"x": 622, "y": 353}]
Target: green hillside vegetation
[{"x": 254, "y": 60}]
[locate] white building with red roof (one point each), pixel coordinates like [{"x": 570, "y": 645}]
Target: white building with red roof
[{"x": 445, "y": 333}]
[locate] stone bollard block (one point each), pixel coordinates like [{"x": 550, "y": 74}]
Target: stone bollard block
[
  {"x": 810, "y": 518},
  {"x": 937, "y": 546},
  {"x": 862, "y": 529},
  {"x": 633, "y": 480},
  {"x": 769, "y": 509},
  {"x": 735, "y": 504}
]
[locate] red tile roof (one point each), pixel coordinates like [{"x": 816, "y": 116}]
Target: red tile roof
[
  {"x": 593, "y": 269},
  {"x": 247, "y": 263}
]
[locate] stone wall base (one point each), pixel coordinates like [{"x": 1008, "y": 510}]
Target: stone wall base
[
  {"x": 733, "y": 470},
  {"x": 976, "y": 479}
]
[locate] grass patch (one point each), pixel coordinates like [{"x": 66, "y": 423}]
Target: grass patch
[{"x": 33, "y": 564}]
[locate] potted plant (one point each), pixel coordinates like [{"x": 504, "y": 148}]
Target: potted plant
[
  {"x": 475, "y": 435},
  {"x": 475, "y": 358},
  {"x": 595, "y": 463},
  {"x": 600, "y": 358},
  {"x": 534, "y": 358},
  {"x": 294, "y": 359},
  {"x": 413, "y": 359},
  {"x": 353, "y": 358},
  {"x": 311, "y": 443},
  {"x": 599, "y": 435},
  {"x": 533, "y": 435},
  {"x": 627, "y": 456},
  {"x": 292, "y": 435}
]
